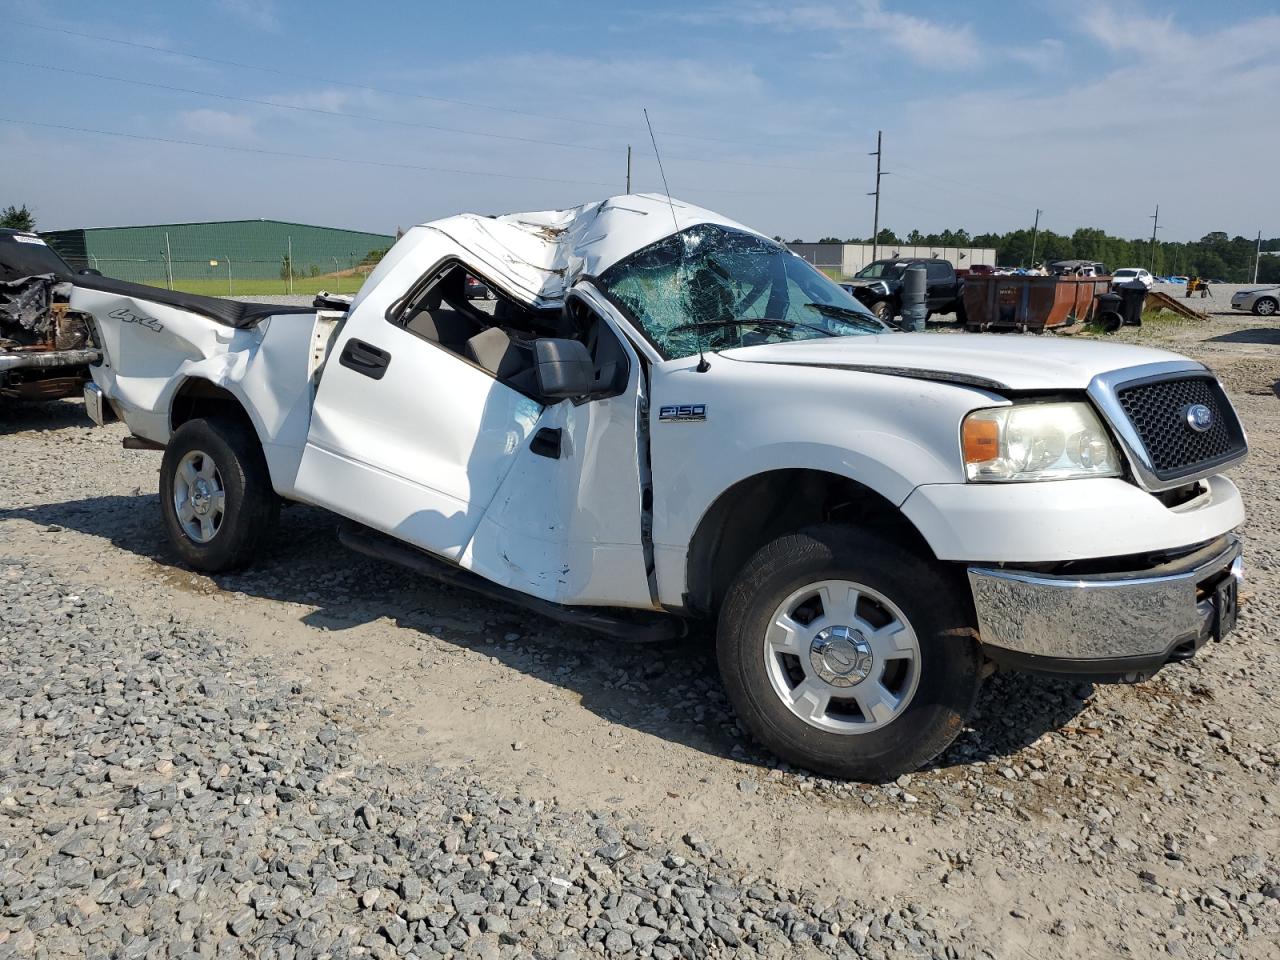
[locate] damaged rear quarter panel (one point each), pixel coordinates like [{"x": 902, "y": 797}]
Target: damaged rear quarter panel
[{"x": 151, "y": 349}]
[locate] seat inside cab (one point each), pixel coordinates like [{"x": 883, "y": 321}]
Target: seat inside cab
[{"x": 501, "y": 341}]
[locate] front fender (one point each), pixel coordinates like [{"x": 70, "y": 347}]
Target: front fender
[{"x": 888, "y": 433}]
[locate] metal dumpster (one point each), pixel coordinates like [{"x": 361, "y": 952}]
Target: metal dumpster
[{"x": 1028, "y": 302}]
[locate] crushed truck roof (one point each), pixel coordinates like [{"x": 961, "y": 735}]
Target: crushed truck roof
[{"x": 538, "y": 256}]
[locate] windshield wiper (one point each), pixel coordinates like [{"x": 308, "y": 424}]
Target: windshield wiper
[
  {"x": 749, "y": 321},
  {"x": 856, "y": 315}
]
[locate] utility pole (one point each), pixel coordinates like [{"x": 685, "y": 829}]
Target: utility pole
[
  {"x": 628, "y": 168},
  {"x": 1035, "y": 235},
  {"x": 1155, "y": 225},
  {"x": 1257, "y": 257},
  {"x": 875, "y": 234}
]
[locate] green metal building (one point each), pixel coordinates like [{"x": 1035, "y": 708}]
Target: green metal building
[{"x": 226, "y": 257}]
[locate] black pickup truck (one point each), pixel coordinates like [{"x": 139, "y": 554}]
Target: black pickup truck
[{"x": 878, "y": 286}]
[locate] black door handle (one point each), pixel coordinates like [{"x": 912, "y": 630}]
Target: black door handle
[{"x": 365, "y": 358}]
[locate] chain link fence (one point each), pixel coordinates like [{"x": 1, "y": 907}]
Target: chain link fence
[{"x": 217, "y": 259}]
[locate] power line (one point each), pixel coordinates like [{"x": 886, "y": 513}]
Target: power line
[
  {"x": 332, "y": 159},
  {"x": 294, "y": 75},
  {"x": 321, "y": 111}
]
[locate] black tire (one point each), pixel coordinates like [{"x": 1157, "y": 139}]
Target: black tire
[
  {"x": 883, "y": 311},
  {"x": 1265, "y": 307},
  {"x": 251, "y": 506},
  {"x": 928, "y": 593}
]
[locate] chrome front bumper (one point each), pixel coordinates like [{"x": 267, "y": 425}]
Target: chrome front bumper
[{"x": 1115, "y": 625}]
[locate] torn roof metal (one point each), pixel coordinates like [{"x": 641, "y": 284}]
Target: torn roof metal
[{"x": 538, "y": 256}]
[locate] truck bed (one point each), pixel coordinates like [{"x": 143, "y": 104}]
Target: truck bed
[{"x": 229, "y": 313}]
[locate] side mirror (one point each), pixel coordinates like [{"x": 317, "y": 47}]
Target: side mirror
[
  {"x": 90, "y": 272},
  {"x": 563, "y": 368}
]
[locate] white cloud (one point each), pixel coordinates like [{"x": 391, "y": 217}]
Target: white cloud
[
  {"x": 259, "y": 14},
  {"x": 930, "y": 44},
  {"x": 217, "y": 124},
  {"x": 1048, "y": 54},
  {"x": 1164, "y": 123},
  {"x": 337, "y": 101},
  {"x": 863, "y": 24}
]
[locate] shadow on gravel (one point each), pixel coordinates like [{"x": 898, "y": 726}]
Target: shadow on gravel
[
  {"x": 1264, "y": 335},
  {"x": 17, "y": 416},
  {"x": 668, "y": 690}
]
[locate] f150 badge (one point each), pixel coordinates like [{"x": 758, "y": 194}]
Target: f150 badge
[{"x": 682, "y": 412}]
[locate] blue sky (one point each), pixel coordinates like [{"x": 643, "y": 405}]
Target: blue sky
[{"x": 1092, "y": 111}]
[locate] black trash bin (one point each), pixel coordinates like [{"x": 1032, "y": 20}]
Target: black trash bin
[
  {"x": 1134, "y": 295},
  {"x": 1110, "y": 311}
]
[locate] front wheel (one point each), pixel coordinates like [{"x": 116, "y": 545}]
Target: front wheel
[
  {"x": 215, "y": 494},
  {"x": 845, "y": 654},
  {"x": 1265, "y": 307},
  {"x": 883, "y": 311}
]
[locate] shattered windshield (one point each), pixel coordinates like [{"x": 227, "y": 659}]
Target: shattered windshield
[
  {"x": 713, "y": 288},
  {"x": 881, "y": 270}
]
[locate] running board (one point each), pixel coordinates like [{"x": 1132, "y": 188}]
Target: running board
[{"x": 631, "y": 626}]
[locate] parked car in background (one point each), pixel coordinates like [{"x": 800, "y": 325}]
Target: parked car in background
[
  {"x": 1130, "y": 274},
  {"x": 477, "y": 289},
  {"x": 878, "y": 286},
  {"x": 1077, "y": 268},
  {"x": 1263, "y": 302},
  {"x": 45, "y": 348}
]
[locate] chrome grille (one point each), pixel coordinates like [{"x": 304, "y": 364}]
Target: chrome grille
[{"x": 1158, "y": 412}]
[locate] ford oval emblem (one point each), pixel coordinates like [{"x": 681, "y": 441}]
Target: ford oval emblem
[{"x": 1199, "y": 417}]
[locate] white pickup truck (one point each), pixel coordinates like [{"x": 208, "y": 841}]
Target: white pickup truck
[{"x": 668, "y": 417}]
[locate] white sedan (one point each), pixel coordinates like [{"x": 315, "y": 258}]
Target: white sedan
[
  {"x": 1263, "y": 302},
  {"x": 1129, "y": 274}
]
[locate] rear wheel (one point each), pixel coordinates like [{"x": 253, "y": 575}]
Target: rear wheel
[
  {"x": 1265, "y": 307},
  {"x": 848, "y": 655},
  {"x": 215, "y": 494}
]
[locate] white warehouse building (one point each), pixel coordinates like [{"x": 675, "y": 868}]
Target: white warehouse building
[{"x": 846, "y": 259}]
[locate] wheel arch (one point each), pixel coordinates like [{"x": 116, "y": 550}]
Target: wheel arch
[
  {"x": 198, "y": 397},
  {"x": 759, "y": 508}
]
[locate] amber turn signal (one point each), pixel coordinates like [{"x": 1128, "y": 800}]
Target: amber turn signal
[{"x": 980, "y": 440}]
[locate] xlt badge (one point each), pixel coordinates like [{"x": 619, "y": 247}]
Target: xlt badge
[{"x": 682, "y": 412}]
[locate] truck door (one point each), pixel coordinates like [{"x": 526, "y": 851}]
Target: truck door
[
  {"x": 940, "y": 280},
  {"x": 407, "y": 435},
  {"x": 567, "y": 523}
]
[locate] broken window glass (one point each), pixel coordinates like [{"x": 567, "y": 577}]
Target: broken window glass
[{"x": 711, "y": 288}]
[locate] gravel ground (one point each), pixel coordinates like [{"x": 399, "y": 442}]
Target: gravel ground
[{"x": 326, "y": 756}]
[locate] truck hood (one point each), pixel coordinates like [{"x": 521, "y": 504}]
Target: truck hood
[{"x": 992, "y": 362}]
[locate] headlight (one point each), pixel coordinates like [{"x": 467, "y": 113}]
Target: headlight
[
  {"x": 1037, "y": 441},
  {"x": 880, "y": 287}
]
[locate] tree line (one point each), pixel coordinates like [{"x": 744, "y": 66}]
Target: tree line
[{"x": 1215, "y": 256}]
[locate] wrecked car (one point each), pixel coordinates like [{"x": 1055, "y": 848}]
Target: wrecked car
[
  {"x": 668, "y": 417},
  {"x": 45, "y": 348}
]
